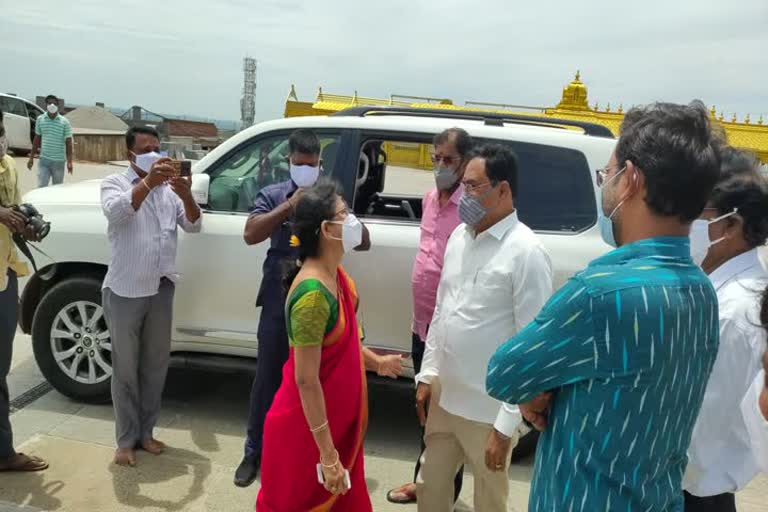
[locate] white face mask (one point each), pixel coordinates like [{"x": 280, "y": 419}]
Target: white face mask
[
  {"x": 351, "y": 232},
  {"x": 699, "y": 237},
  {"x": 52, "y": 108},
  {"x": 304, "y": 175},
  {"x": 145, "y": 161}
]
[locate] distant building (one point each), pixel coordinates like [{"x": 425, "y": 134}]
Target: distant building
[
  {"x": 182, "y": 133},
  {"x": 97, "y": 118}
]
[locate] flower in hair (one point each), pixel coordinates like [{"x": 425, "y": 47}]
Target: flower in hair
[{"x": 295, "y": 242}]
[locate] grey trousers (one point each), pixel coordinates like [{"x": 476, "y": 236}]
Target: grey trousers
[
  {"x": 141, "y": 343},
  {"x": 9, "y": 310}
]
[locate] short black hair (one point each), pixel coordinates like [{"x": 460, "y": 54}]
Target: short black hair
[
  {"x": 678, "y": 152},
  {"x": 130, "y": 135},
  {"x": 742, "y": 187},
  {"x": 304, "y": 141},
  {"x": 500, "y": 164},
  {"x": 51, "y": 97},
  {"x": 461, "y": 140}
]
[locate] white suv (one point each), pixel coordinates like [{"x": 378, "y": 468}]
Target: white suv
[
  {"x": 215, "y": 318},
  {"x": 19, "y": 117}
]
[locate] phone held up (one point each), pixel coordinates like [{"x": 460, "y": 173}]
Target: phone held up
[{"x": 182, "y": 168}]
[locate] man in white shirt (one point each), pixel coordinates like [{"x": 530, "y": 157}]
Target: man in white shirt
[
  {"x": 144, "y": 207},
  {"x": 754, "y": 407},
  {"x": 496, "y": 276},
  {"x": 724, "y": 240}
]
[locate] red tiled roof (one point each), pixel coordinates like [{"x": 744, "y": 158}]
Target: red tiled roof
[{"x": 184, "y": 128}]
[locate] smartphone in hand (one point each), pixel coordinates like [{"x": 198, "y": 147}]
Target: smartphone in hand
[
  {"x": 182, "y": 168},
  {"x": 321, "y": 477}
]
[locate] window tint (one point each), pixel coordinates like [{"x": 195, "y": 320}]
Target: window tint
[
  {"x": 555, "y": 191},
  {"x": 13, "y": 106},
  {"x": 238, "y": 178}
]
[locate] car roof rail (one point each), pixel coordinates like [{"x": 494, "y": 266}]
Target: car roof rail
[{"x": 490, "y": 118}]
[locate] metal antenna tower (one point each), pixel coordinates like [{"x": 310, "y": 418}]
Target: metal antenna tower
[{"x": 248, "y": 101}]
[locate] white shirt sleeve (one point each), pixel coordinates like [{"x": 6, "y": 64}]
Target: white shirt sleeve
[
  {"x": 531, "y": 290},
  {"x": 757, "y": 425},
  {"x": 532, "y": 287}
]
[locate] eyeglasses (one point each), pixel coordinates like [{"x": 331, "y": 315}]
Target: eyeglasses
[
  {"x": 472, "y": 189},
  {"x": 601, "y": 175},
  {"x": 346, "y": 210},
  {"x": 447, "y": 160}
]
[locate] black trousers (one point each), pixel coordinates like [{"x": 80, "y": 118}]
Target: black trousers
[
  {"x": 417, "y": 353},
  {"x": 9, "y": 311},
  {"x": 272, "y": 356},
  {"x": 721, "y": 503}
]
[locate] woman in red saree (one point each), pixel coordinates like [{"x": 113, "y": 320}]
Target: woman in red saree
[{"x": 320, "y": 413}]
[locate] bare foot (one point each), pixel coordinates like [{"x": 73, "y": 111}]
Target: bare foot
[
  {"x": 125, "y": 457},
  {"x": 21, "y": 462},
  {"x": 402, "y": 495},
  {"x": 153, "y": 446}
]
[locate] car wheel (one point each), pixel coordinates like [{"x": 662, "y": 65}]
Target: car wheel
[
  {"x": 20, "y": 152},
  {"x": 71, "y": 341}
]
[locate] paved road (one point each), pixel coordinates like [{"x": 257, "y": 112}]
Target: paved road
[{"x": 202, "y": 421}]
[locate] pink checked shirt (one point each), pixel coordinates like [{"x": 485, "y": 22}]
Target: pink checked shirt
[{"x": 437, "y": 224}]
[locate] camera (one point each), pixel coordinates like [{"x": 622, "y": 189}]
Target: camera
[{"x": 34, "y": 219}]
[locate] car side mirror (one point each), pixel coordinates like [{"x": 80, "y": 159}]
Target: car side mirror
[{"x": 200, "y": 184}]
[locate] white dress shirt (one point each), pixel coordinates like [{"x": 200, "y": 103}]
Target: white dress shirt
[
  {"x": 721, "y": 457},
  {"x": 757, "y": 425},
  {"x": 143, "y": 241},
  {"x": 492, "y": 285}
]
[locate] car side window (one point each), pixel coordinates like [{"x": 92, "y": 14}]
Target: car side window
[
  {"x": 13, "y": 106},
  {"x": 555, "y": 190},
  {"x": 394, "y": 173},
  {"x": 238, "y": 178}
]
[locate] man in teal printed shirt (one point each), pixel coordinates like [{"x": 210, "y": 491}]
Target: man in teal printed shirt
[{"x": 615, "y": 365}]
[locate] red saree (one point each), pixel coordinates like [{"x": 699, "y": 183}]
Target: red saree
[{"x": 289, "y": 453}]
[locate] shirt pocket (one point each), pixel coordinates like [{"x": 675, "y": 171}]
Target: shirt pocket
[{"x": 490, "y": 286}]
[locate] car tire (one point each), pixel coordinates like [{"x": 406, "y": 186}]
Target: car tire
[
  {"x": 20, "y": 152},
  {"x": 71, "y": 341}
]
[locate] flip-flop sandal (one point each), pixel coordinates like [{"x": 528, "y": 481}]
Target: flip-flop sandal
[
  {"x": 400, "y": 498},
  {"x": 27, "y": 464}
]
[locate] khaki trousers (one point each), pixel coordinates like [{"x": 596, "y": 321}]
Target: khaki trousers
[{"x": 450, "y": 442}]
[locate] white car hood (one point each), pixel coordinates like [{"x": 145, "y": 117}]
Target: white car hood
[{"x": 83, "y": 192}]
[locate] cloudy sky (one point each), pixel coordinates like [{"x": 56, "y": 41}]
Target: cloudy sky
[{"x": 185, "y": 57}]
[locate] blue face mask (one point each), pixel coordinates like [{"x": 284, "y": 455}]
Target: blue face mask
[
  {"x": 471, "y": 210},
  {"x": 605, "y": 223}
]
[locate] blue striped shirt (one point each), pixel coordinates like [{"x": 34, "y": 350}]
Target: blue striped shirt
[
  {"x": 143, "y": 241},
  {"x": 53, "y": 134},
  {"x": 627, "y": 345}
]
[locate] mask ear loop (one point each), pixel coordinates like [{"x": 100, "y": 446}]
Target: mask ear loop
[
  {"x": 634, "y": 177},
  {"x": 718, "y": 219}
]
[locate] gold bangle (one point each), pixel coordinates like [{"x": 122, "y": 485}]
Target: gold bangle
[
  {"x": 144, "y": 182},
  {"x": 330, "y": 466},
  {"x": 320, "y": 428}
]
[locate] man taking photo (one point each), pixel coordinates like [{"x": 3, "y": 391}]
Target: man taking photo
[
  {"x": 144, "y": 206},
  {"x": 11, "y": 268}
]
